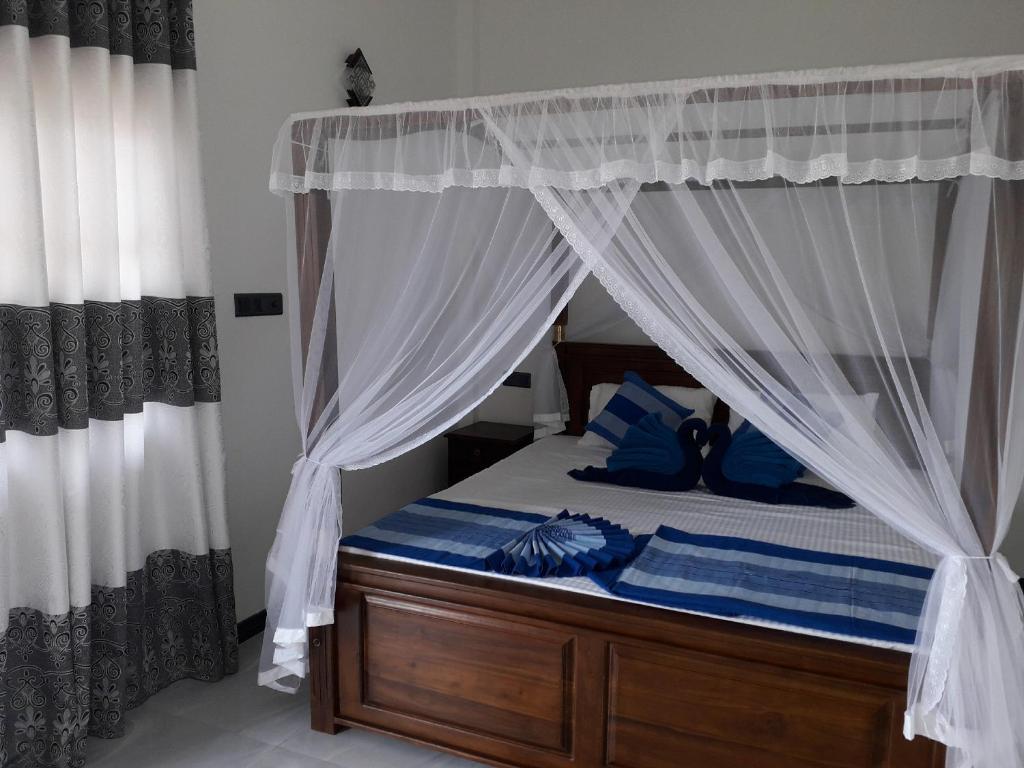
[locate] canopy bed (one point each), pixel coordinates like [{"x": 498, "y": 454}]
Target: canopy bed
[{"x": 836, "y": 255}]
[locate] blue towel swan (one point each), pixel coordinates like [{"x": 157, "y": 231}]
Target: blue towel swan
[
  {"x": 654, "y": 456},
  {"x": 748, "y": 465}
]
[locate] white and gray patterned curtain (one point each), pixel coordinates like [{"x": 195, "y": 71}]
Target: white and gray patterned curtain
[{"x": 115, "y": 571}]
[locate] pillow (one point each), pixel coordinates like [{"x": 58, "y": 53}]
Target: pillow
[
  {"x": 830, "y": 407},
  {"x": 600, "y": 394},
  {"x": 735, "y": 420},
  {"x": 827, "y": 407},
  {"x": 630, "y": 403},
  {"x": 698, "y": 400}
]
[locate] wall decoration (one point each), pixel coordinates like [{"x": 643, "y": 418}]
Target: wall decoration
[{"x": 359, "y": 82}]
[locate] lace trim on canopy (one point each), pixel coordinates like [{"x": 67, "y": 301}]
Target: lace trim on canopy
[
  {"x": 976, "y": 164},
  {"x": 929, "y": 121}
]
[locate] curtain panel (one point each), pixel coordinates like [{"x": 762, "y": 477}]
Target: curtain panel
[
  {"x": 382, "y": 369},
  {"x": 837, "y": 254},
  {"x": 115, "y": 566}
]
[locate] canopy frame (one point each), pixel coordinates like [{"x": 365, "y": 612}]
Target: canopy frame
[{"x": 976, "y": 130}]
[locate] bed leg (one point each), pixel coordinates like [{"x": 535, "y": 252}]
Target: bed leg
[
  {"x": 329, "y": 727},
  {"x": 322, "y": 691}
]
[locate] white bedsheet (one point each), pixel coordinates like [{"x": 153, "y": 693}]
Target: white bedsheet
[{"x": 534, "y": 480}]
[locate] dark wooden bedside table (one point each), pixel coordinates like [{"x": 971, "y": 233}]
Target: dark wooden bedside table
[{"x": 478, "y": 446}]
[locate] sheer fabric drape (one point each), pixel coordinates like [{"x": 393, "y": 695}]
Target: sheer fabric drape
[
  {"x": 837, "y": 254},
  {"x": 415, "y": 310},
  {"x": 793, "y": 303},
  {"x": 927, "y": 120}
]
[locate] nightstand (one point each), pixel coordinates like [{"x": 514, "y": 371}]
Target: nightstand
[{"x": 478, "y": 446}]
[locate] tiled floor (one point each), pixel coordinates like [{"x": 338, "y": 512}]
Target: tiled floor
[{"x": 237, "y": 724}]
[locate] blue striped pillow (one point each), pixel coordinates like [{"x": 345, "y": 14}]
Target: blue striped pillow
[{"x": 634, "y": 400}]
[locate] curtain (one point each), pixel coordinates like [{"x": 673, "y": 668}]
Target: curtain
[
  {"x": 405, "y": 329},
  {"x": 115, "y": 568},
  {"x": 835, "y": 253},
  {"x": 860, "y": 326}
]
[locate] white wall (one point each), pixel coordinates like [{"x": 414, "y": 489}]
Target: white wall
[
  {"x": 538, "y": 44},
  {"x": 259, "y": 61}
]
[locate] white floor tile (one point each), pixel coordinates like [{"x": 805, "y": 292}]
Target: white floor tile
[
  {"x": 319, "y": 745},
  {"x": 160, "y": 740},
  {"x": 281, "y": 758},
  {"x": 278, "y": 728},
  {"x": 235, "y": 703},
  {"x": 363, "y": 749},
  {"x": 450, "y": 761}
]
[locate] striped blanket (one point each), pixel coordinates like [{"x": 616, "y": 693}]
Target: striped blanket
[
  {"x": 727, "y": 576},
  {"x": 720, "y": 575},
  {"x": 445, "y": 532}
]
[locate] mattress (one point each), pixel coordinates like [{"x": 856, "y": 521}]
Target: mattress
[{"x": 534, "y": 480}]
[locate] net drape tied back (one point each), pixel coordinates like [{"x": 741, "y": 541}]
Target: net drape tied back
[
  {"x": 393, "y": 350},
  {"x": 839, "y": 255},
  {"x": 299, "y": 596}
]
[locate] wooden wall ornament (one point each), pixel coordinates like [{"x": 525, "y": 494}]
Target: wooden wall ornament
[{"x": 359, "y": 82}]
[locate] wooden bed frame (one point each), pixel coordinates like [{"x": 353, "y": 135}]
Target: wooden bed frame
[{"x": 521, "y": 675}]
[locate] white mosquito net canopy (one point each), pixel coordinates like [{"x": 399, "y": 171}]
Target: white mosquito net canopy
[{"x": 795, "y": 240}]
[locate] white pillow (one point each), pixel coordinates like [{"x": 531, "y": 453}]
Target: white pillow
[
  {"x": 831, "y": 412},
  {"x": 826, "y": 405},
  {"x": 697, "y": 399},
  {"x": 735, "y": 420}
]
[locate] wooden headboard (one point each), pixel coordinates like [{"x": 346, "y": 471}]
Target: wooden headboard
[{"x": 584, "y": 365}]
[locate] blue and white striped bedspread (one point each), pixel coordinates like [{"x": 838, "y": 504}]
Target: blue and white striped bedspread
[
  {"x": 727, "y": 576},
  {"x": 445, "y": 532}
]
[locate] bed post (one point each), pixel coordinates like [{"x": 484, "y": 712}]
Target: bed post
[
  {"x": 322, "y": 676},
  {"x": 1001, "y": 282},
  {"x": 312, "y": 233}
]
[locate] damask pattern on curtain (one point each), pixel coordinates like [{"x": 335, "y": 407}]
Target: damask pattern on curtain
[{"x": 115, "y": 567}]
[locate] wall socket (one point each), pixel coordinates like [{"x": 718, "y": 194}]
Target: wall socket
[{"x": 255, "y": 304}]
